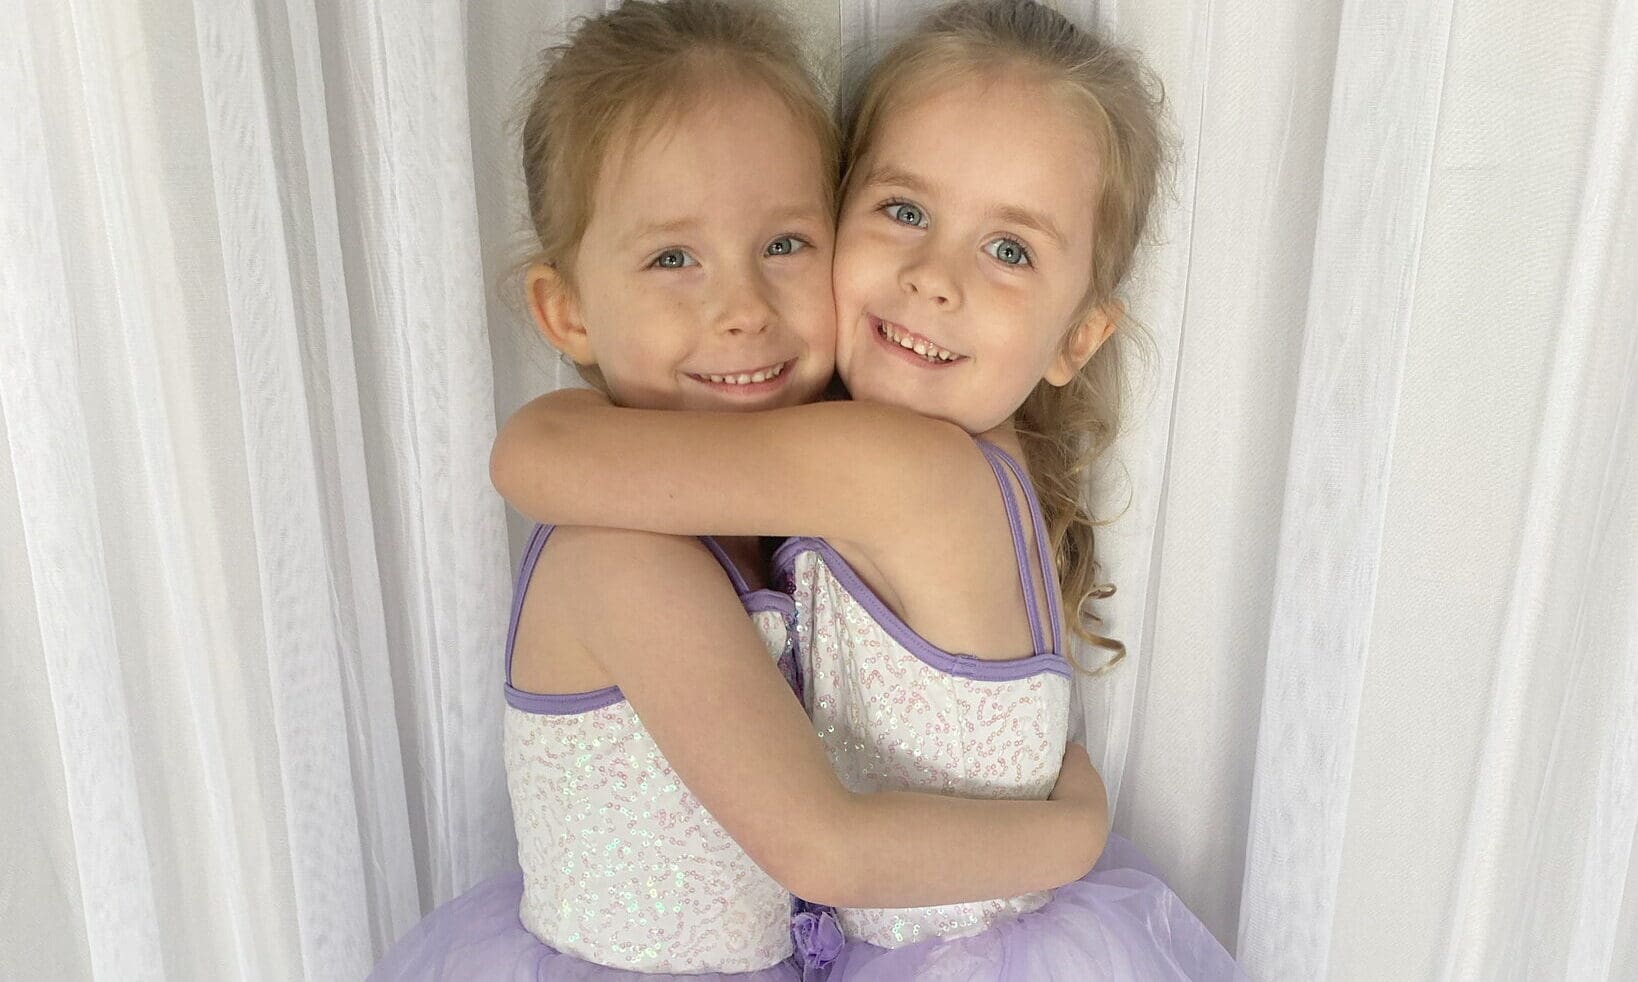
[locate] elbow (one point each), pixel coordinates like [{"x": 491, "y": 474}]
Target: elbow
[
  {"x": 499, "y": 475},
  {"x": 807, "y": 872},
  {"x": 814, "y": 862},
  {"x": 521, "y": 443},
  {"x": 542, "y": 430},
  {"x": 826, "y": 888},
  {"x": 503, "y": 472}
]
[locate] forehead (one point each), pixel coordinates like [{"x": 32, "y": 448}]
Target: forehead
[
  {"x": 725, "y": 146},
  {"x": 998, "y": 142}
]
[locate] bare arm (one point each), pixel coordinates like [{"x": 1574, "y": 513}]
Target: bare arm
[
  {"x": 842, "y": 470},
  {"x": 740, "y": 741}
]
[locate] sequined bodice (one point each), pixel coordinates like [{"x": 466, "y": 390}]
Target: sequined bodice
[
  {"x": 622, "y": 865},
  {"x": 897, "y": 713}
]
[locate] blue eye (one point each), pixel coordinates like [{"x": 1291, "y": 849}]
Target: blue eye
[
  {"x": 906, "y": 213},
  {"x": 1009, "y": 251},
  {"x": 673, "y": 259},
  {"x": 785, "y": 245}
]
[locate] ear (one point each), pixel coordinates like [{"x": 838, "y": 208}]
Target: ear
[
  {"x": 557, "y": 313},
  {"x": 1083, "y": 341}
]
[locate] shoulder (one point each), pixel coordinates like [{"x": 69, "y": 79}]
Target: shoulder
[
  {"x": 590, "y": 560},
  {"x": 595, "y": 574}
]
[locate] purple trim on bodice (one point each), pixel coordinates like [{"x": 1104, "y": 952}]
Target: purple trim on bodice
[
  {"x": 964, "y": 666},
  {"x": 761, "y": 601},
  {"x": 562, "y": 704},
  {"x": 574, "y": 703}
]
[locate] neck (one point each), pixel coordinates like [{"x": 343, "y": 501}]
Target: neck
[{"x": 1005, "y": 436}]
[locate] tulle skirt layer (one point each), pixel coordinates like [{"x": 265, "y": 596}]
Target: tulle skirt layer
[{"x": 1118, "y": 922}]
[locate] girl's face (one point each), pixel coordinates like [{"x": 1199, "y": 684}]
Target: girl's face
[
  {"x": 703, "y": 278},
  {"x": 963, "y": 251}
]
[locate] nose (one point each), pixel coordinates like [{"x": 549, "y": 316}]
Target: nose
[
  {"x": 747, "y": 308},
  {"x": 931, "y": 277}
]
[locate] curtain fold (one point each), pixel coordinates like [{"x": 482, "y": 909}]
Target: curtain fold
[
  {"x": 1547, "y": 852},
  {"x": 49, "y": 443},
  {"x": 248, "y": 397},
  {"x": 1374, "y": 192}
]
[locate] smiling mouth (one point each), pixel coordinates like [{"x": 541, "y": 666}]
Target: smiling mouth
[
  {"x": 759, "y": 376},
  {"x": 914, "y": 343}
]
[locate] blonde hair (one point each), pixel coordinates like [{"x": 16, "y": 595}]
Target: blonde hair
[
  {"x": 628, "y": 72},
  {"x": 1064, "y": 430}
]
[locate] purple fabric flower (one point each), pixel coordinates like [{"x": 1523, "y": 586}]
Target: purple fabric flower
[{"x": 817, "y": 936}]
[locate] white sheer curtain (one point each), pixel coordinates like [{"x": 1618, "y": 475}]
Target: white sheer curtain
[
  {"x": 1379, "y": 573},
  {"x": 254, "y": 580}
]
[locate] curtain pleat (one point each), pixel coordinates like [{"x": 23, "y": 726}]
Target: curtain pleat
[
  {"x": 407, "y": 177},
  {"x": 63, "y": 536},
  {"x": 1548, "y": 847},
  {"x": 328, "y": 348},
  {"x": 1376, "y": 185},
  {"x": 299, "y": 597}
]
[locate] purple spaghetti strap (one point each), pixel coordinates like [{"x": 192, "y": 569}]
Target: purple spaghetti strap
[
  {"x": 526, "y": 572},
  {"x": 1049, "y": 575},
  {"x": 542, "y": 703},
  {"x": 570, "y": 703},
  {"x": 1020, "y": 554}
]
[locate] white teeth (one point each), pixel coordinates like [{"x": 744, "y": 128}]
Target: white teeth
[
  {"x": 926, "y": 349},
  {"x": 746, "y": 378}
]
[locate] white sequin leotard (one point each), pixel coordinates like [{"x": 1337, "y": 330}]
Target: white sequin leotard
[
  {"x": 897, "y": 713},
  {"x": 622, "y": 865}
]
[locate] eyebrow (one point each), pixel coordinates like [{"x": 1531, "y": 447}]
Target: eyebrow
[
  {"x": 1011, "y": 214},
  {"x": 884, "y": 174},
  {"x": 801, "y": 213},
  {"x": 798, "y": 213},
  {"x": 1014, "y": 215},
  {"x": 672, "y": 227}
]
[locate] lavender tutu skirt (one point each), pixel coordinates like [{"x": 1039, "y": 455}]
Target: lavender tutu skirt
[
  {"x": 478, "y": 936},
  {"x": 1119, "y": 922}
]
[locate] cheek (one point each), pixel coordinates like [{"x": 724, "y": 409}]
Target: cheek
[
  {"x": 807, "y": 303},
  {"x": 647, "y": 328},
  {"x": 856, "y": 256}
]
